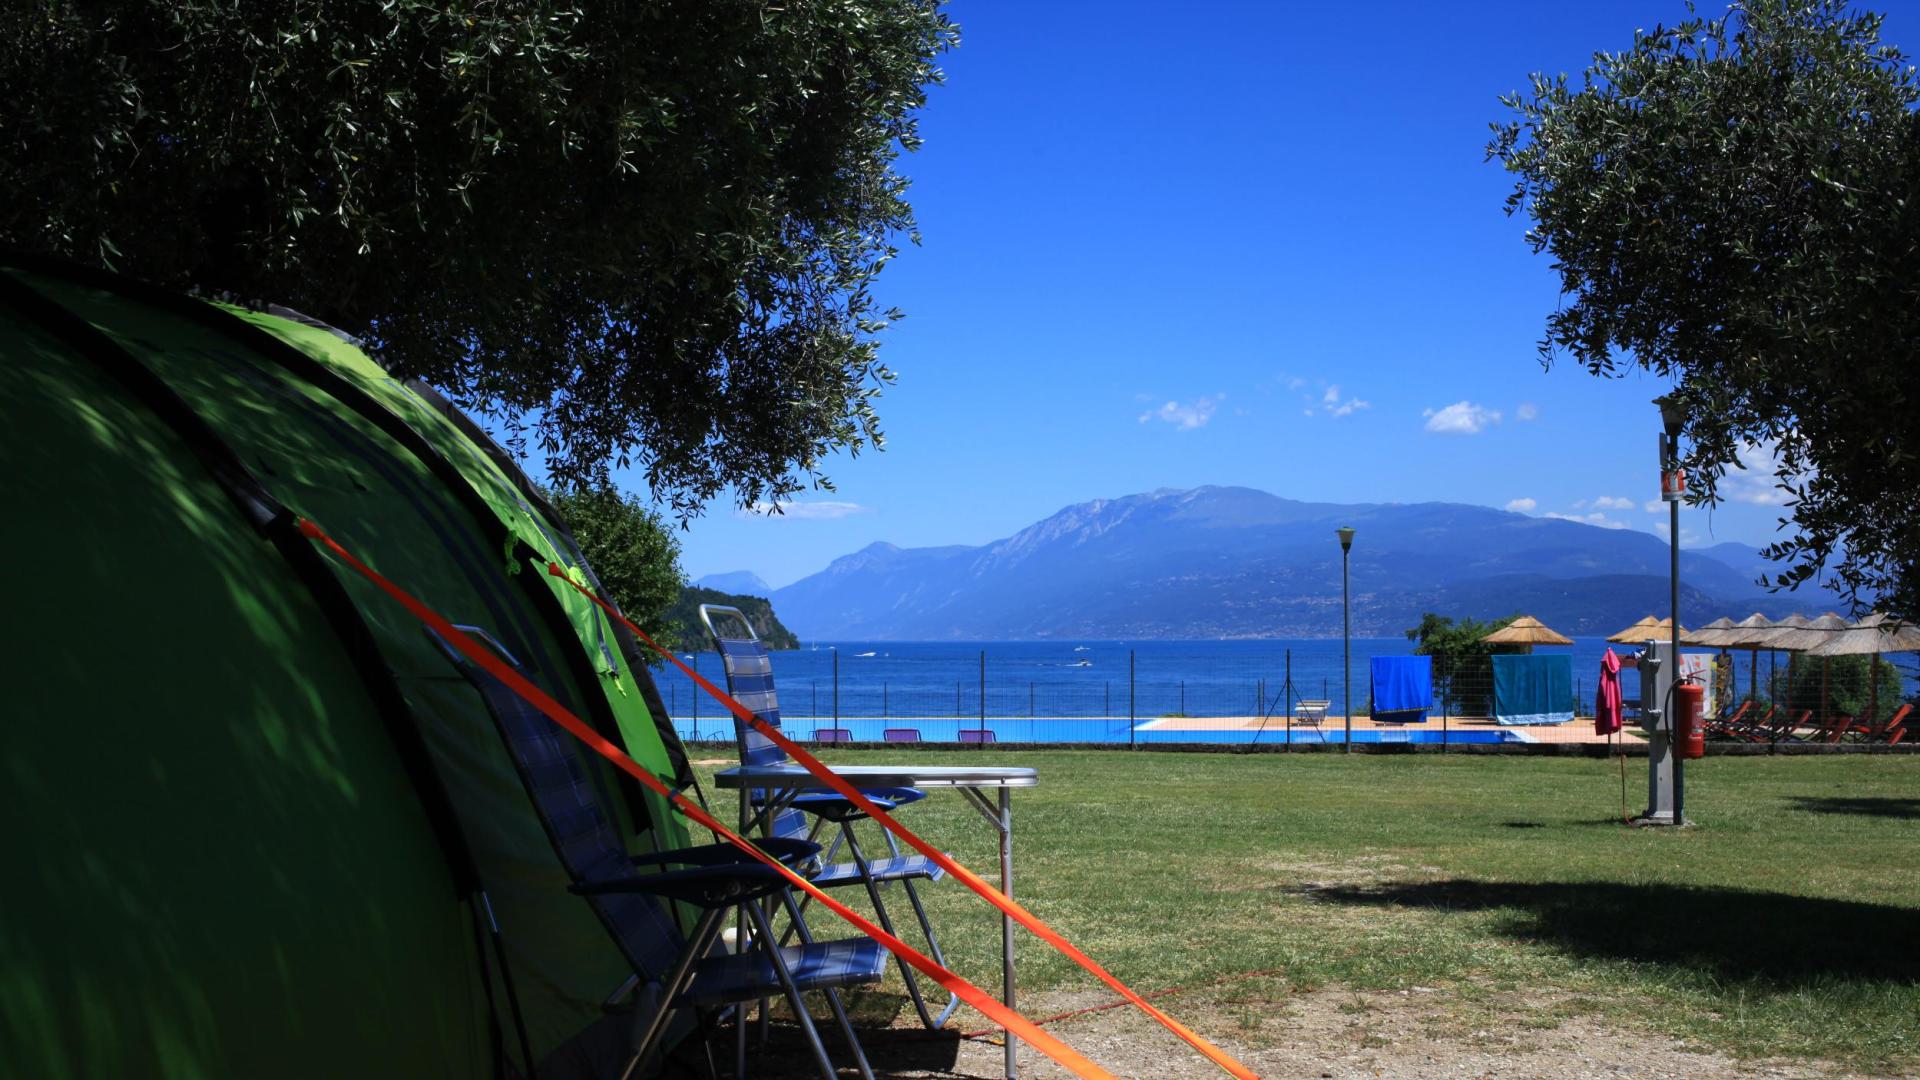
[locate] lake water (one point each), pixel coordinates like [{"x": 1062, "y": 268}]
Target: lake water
[{"x": 1078, "y": 690}]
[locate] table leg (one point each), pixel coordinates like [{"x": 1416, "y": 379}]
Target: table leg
[{"x": 1006, "y": 921}]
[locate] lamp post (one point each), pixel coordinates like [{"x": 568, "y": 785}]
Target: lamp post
[
  {"x": 1346, "y": 634},
  {"x": 1673, "y": 485}
]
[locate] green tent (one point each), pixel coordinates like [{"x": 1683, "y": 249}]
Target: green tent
[{"x": 252, "y": 810}]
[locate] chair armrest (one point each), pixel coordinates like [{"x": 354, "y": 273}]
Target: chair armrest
[
  {"x": 789, "y": 851},
  {"x": 701, "y": 886}
]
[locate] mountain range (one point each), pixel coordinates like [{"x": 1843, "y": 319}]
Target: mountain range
[{"x": 1233, "y": 562}]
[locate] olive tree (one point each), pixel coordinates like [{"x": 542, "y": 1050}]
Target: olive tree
[
  {"x": 634, "y": 554},
  {"x": 638, "y": 233},
  {"x": 1733, "y": 204}
]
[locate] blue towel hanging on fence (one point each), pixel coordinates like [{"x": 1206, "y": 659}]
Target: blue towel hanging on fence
[
  {"x": 1402, "y": 689},
  {"x": 1533, "y": 689}
]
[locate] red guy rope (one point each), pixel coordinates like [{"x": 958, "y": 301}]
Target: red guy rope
[
  {"x": 945, "y": 862},
  {"x": 1026, "y": 1029}
]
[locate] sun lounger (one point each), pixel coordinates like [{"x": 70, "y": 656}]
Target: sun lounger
[
  {"x": 1899, "y": 727},
  {"x": 1887, "y": 732},
  {"x": 900, "y": 734},
  {"x": 1311, "y": 712},
  {"x": 977, "y": 735},
  {"x": 832, "y": 734},
  {"x": 1729, "y": 727}
]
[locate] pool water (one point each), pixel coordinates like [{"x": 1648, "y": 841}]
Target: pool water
[{"x": 1083, "y": 730}]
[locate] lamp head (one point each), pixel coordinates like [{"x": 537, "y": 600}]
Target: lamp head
[
  {"x": 1346, "y": 537},
  {"x": 1673, "y": 415}
]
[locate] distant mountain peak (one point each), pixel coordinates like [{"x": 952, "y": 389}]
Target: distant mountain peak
[{"x": 1225, "y": 561}]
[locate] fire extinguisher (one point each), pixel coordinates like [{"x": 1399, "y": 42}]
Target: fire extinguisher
[{"x": 1690, "y": 720}]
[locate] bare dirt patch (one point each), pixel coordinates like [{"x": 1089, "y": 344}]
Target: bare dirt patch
[{"x": 1331, "y": 1034}]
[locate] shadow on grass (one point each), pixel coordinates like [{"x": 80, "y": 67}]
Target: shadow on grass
[
  {"x": 1731, "y": 934},
  {"x": 1868, "y": 806}
]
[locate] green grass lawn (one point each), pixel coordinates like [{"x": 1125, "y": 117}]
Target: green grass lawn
[{"x": 1787, "y": 923}]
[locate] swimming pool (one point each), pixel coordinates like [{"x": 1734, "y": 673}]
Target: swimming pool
[{"x": 1112, "y": 730}]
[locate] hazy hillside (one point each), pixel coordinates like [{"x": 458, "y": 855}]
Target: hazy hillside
[
  {"x": 1235, "y": 562},
  {"x": 740, "y": 582}
]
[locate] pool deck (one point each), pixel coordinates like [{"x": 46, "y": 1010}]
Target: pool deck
[{"x": 1580, "y": 730}]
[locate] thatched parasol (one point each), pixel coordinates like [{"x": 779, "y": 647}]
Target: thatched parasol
[
  {"x": 1526, "y": 630},
  {"x": 1871, "y": 636},
  {"x": 1815, "y": 633},
  {"x": 1647, "y": 629},
  {"x": 1795, "y": 621},
  {"x": 1708, "y": 635},
  {"x": 1751, "y": 634},
  {"x": 1874, "y": 634}
]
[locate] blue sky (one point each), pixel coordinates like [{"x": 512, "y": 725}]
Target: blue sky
[{"x": 1251, "y": 244}]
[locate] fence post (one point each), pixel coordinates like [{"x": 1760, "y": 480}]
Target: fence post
[
  {"x": 1183, "y": 697},
  {"x": 694, "y": 696},
  {"x": 983, "y": 691},
  {"x": 1131, "y": 736},
  {"x": 883, "y": 699},
  {"x": 836, "y": 688},
  {"x": 1029, "y": 699},
  {"x": 1107, "y": 709}
]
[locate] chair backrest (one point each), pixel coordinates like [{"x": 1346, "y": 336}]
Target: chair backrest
[
  {"x": 564, "y": 798},
  {"x": 750, "y": 680},
  {"x": 977, "y": 735},
  {"x": 832, "y": 734},
  {"x": 901, "y": 734}
]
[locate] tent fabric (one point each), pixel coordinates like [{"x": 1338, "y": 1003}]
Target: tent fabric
[
  {"x": 1402, "y": 688},
  {"x": 250, "y": 882},
  {"x": 621, "y": 680},
  {"x": 1532, "y": 689}
]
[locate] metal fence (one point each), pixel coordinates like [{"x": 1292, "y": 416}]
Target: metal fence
[
  {"x": 1210, "y": 690},
  {"x": 1174, "y": 692}
]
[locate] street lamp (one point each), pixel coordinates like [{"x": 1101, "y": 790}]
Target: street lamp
[
  {"x": 1346, "y": 633},
  {"x": 1673, "y": 485}
]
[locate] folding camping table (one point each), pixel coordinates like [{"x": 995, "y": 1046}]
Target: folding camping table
[{"x": 784, "y": 782}]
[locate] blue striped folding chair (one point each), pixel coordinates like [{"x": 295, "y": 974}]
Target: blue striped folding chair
[
  {"x": 673, "y": 970},
  {"x": 750, "y": 681}
]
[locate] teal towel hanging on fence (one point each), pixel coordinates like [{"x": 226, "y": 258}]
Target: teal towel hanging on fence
[{"x": 1533, "y": 689}]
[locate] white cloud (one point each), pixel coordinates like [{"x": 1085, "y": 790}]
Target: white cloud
[
  {"x": 1612, "y": 502},
  {"x": 1332, "y": 405},
  {"x": 1595, "y": 518},
  {"x": 1654, "y": 506},
  {"x": 806, "y": 511},
  {"x": 1295, "y": 382},
  {"x": 1527, "y": 411},
  {"x": 1758, "y": 483},
  {"x": 1522, "y": 506},
  {"x": 1461, "y": 418},
  {"x": 1186, "y": 417}
]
